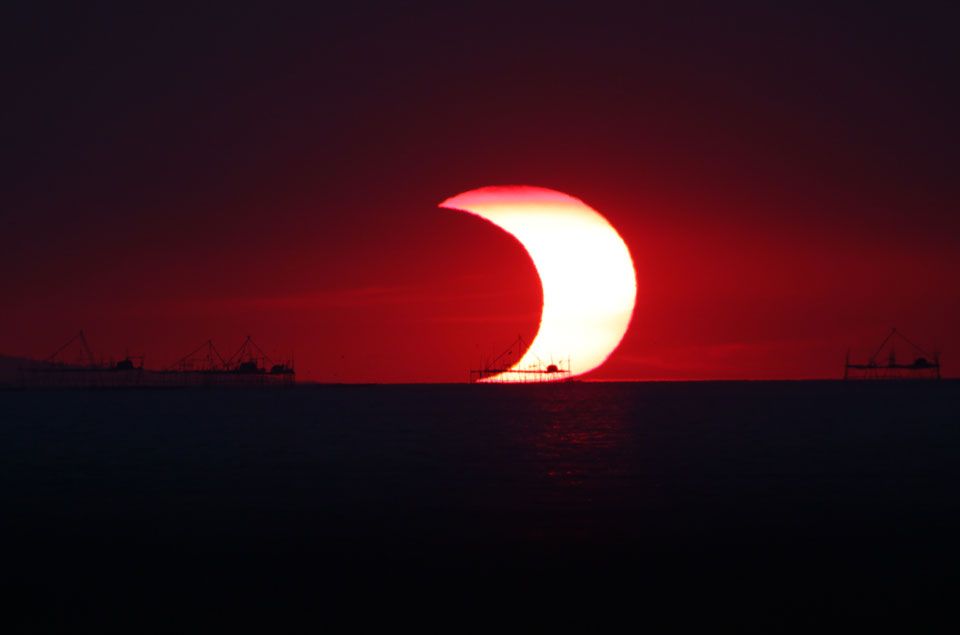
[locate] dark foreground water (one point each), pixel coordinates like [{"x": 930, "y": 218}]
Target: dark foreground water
[{"x": 776, "y": 505}]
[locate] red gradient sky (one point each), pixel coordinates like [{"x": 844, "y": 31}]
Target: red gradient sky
[{"x": 785, "y": 179}]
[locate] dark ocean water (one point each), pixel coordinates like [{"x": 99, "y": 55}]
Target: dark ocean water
[{"x": 775, "y": 505}]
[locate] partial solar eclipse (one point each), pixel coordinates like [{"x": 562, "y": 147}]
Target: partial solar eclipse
[{"x": 585, "y": 269}]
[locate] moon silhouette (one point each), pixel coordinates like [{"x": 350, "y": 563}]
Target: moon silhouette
[{"x": 587, "y": 275}]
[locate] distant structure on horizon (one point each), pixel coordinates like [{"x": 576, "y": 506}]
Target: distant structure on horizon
[
  {"x": 923, "y": 366},
  {"x": 202, "y": 367},
  {"x": 499, "y": 370}
]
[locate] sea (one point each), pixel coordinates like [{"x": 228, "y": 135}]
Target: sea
[{"x": 772, "y": 506}]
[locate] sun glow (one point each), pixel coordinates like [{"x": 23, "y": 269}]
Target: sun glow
[{"x": 588, "y": 279}]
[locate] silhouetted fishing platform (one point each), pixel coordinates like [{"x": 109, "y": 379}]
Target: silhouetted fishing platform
[
  {"x": 202, "y": 367},
  {"x": 923, "y": 366},
  {"x": 500, "y": 369}
]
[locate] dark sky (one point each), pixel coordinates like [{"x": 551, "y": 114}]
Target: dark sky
[{"x": 784, "y": 174}]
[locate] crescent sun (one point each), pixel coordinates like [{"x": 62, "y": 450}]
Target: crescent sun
[{"x": 585, "y": 269}]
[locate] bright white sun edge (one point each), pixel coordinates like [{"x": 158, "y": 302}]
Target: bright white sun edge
[{"x": 585, "y": 269}]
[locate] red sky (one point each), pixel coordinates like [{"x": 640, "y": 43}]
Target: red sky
[{"x": 785, "y": 181}]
